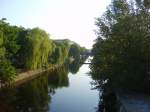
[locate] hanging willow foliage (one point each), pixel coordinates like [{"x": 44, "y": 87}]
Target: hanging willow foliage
[
  {"x": 60, "y": 54},
  {"x": 39, "y": 48}
]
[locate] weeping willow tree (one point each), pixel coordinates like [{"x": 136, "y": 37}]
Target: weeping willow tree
[
  {"x": 39, "y": 48},
  {"x": 60, "y": 53},
  {"x": 64, "y": 51},
  {"x": 22, "y": 48}
]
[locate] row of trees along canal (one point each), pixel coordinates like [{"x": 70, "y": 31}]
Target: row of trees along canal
[
  {"x": 122, "y": 48},
  {"x": 31, "y": 49}
]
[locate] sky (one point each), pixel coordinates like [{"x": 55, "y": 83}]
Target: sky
[{"x": 72, "y": 19}]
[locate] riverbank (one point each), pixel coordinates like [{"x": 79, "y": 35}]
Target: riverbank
[{"x": 30, "y": 74}]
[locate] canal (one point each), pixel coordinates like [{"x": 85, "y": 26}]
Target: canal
[{"x": 67, "y": 89}]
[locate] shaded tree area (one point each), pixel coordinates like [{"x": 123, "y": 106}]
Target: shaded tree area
[{"x": 122, "y": 48}]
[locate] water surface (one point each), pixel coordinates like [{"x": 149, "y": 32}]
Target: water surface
[
  {"x": 66, "y": 89},
  {"x": 78, "y": 97}
]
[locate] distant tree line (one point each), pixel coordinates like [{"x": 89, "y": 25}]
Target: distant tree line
[
  {"x": 122, "y": 48},
  {"x": 31, "y": 49}
]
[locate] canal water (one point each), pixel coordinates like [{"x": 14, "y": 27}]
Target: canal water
[{"x": 67, "y": 89}]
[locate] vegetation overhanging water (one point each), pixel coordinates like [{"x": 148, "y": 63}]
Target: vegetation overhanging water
[{"x": 66, "y": 89}]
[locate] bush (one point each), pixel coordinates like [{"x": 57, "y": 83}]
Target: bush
[{"x": 7, "y": 71}]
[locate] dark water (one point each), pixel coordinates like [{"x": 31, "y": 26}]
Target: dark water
[{"x": 66, "y": 89}]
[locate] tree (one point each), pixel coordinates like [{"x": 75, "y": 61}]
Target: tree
[
  {"x": 122, "y": 49},
  {"x": 74, "y": 51},
  {"x": 7, "y": 71},
  {"x": 60, "y": 54},
  {"x": 2, "y": 50},
  {"x": 8, "y": 49},
  {"x": 39, "y": 47}
]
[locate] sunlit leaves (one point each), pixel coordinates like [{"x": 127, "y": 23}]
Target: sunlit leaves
[{"x": 39, "y": 48}]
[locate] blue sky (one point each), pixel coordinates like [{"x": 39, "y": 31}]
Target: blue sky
[{"x": 72, "y": 19}]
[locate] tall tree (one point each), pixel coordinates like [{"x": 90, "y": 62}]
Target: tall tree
[
  {"x": 122, "y": 49},
  {"x": 39, "y": 48}
]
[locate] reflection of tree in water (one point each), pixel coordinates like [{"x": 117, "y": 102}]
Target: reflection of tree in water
[
  {"x": 74, "y": 67},
  {"x": 76, "y": 64},
  {"x": 107, "y": 99},
  {"x": 7, "y": 96},
  {"x": 30, "y": 97},
  {"x": 58, "y": 78},
  {"x": 35, "y": 95}
]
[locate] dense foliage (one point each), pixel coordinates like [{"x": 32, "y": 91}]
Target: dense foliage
[
  {"x": 60, "y": 53},
  {"x": 74, "y": 51},
  {"x": 65, "y": 50},
  {"x": 8, "y": 50},
  {"x": 31, "y": 49},
  {"x": 122, "y": 49},
  {"x": 7, "y": 71},
  {"x": 39, "y": 48}
]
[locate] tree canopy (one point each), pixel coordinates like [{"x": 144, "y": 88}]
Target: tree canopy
[
  {"x": 30, "y": 49},
  {"x": 122, "y": 49}
]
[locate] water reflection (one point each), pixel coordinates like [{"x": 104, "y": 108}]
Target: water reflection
[
  {"x": 74, "y": 67},
  {"x": 29, "y": 97},
  {"x": 76, "y": 64},
  {"x": 108, "y": 101},
  {"x": 58, "y": 78},
  {"x": 36, "y": 95}
]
